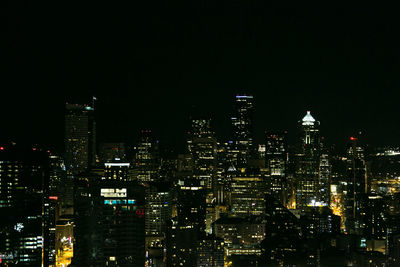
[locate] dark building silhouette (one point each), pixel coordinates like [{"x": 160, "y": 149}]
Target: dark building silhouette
[
  {"x": 27, "y": 214},
  {"x": 80, "y": 137},
  {"x": 109, "y": 222}
]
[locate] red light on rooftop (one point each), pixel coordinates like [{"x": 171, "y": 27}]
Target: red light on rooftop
[
  {"x": 1, "y": 147},
  {"x": 353, "y": 138},
  {"x": 53, "y": 197}
]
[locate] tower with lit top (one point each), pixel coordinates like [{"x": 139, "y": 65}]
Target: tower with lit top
[{"x": 307, "y": 163}]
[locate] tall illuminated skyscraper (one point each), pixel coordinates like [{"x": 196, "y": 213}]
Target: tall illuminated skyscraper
[
  {"x": 202, "y": 145},
  {"x": 80, "y": 137},
  {"x": 276, "y": 157},
  {"x": 307, "y": 163},
  {"x": 242, "y": 123},
  {"x": 147, "y": 159},
  {"x": 356, "y": 186}
]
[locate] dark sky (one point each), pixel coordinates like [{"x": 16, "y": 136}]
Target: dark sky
[{"x": 149, "y": 63}]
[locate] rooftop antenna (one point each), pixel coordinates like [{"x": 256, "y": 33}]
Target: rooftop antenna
[{"x": 93, "y": 99}]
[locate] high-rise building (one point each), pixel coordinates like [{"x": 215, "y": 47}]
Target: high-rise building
[
  {"x": 248, "y": 193},
  {"x": 324, "y": 178},
  {"x": 158, "y": 209},
  {"x": 276, "y": 158},
  {"x": 202, "y": 145},
  {"x": 307, "y": 163},
  {"x": 158, "y": 212},
  {"x": 147, "y": 158},
  {"x": 80, "y": 138},
  {"x": 242, "y": 123},
  {"x": 189, "y": 224},
  {"x": 27, "y": 214},
  {"x": 109, "y": 222},
  {"x": 356, "y": 186}
]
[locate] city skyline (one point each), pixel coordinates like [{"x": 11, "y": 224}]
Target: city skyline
[
  {"x": 174, "y": 139},
  {"x": 199, "y": 133}
]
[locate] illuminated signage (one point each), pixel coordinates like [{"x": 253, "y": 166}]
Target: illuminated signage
[
  {"x": 113, "y": 192},
  {"x": 116, "y": 164},
  {"x": 119, "y": 201}
]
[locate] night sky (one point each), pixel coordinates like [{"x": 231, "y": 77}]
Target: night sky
[{"x": 148, "y": 64}]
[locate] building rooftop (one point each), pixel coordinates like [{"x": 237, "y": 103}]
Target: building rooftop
[{"x": 308, "y": 119}]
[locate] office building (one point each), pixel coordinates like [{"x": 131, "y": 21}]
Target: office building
[
  {"x": 242, "y": 124},
  {"x": 276, "y": 159},
  {"x": 248, "y": 193},
  {"x": 27, "y": 214},
  {"x": 147, "y": 158},
  {"x": 307, "y": 163},
  {"x": 80, "y": 137},
  {"x": 210, "y": 252},
  {"x": 109, "y": 222}
]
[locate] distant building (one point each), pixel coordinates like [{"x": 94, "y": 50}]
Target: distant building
[
  {"x": 356, "y": 185},
  {"x": 202, "y": 145},
  {"x": 158, "y": 212},
  {"x": 80, "y": 137},
  {"x": 242, "y": 124},
  {"x": 276, "y": 158},
  {"x": 242, "y": 236},
  {"x": 318, "y": 220},
  {"x": 147, "y": 158},
  {"x": 109, "y": 152},
  {"x": 116, "y": 171},
  {"x": 307, "y": 163},
  {"x": 248, "y": 194}
]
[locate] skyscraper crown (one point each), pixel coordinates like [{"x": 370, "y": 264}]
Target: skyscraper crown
[{"x": 308, "y": 119}]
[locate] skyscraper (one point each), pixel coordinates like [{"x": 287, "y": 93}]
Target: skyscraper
[
  {"x": 242, "y": 123},
  {"x": 202, "y": 145},
  {"x": 80, "y": 138},
  {"x": 307, "y": 163},
  {"x": 147, "y": 158},
  {"x": 248, "y": 194},
  {"x": 26, "y": 212},
  {"x": 109, "y": 222},
  {"x": 276, "y": 157},
  {"x": 356, "y": 185}
]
